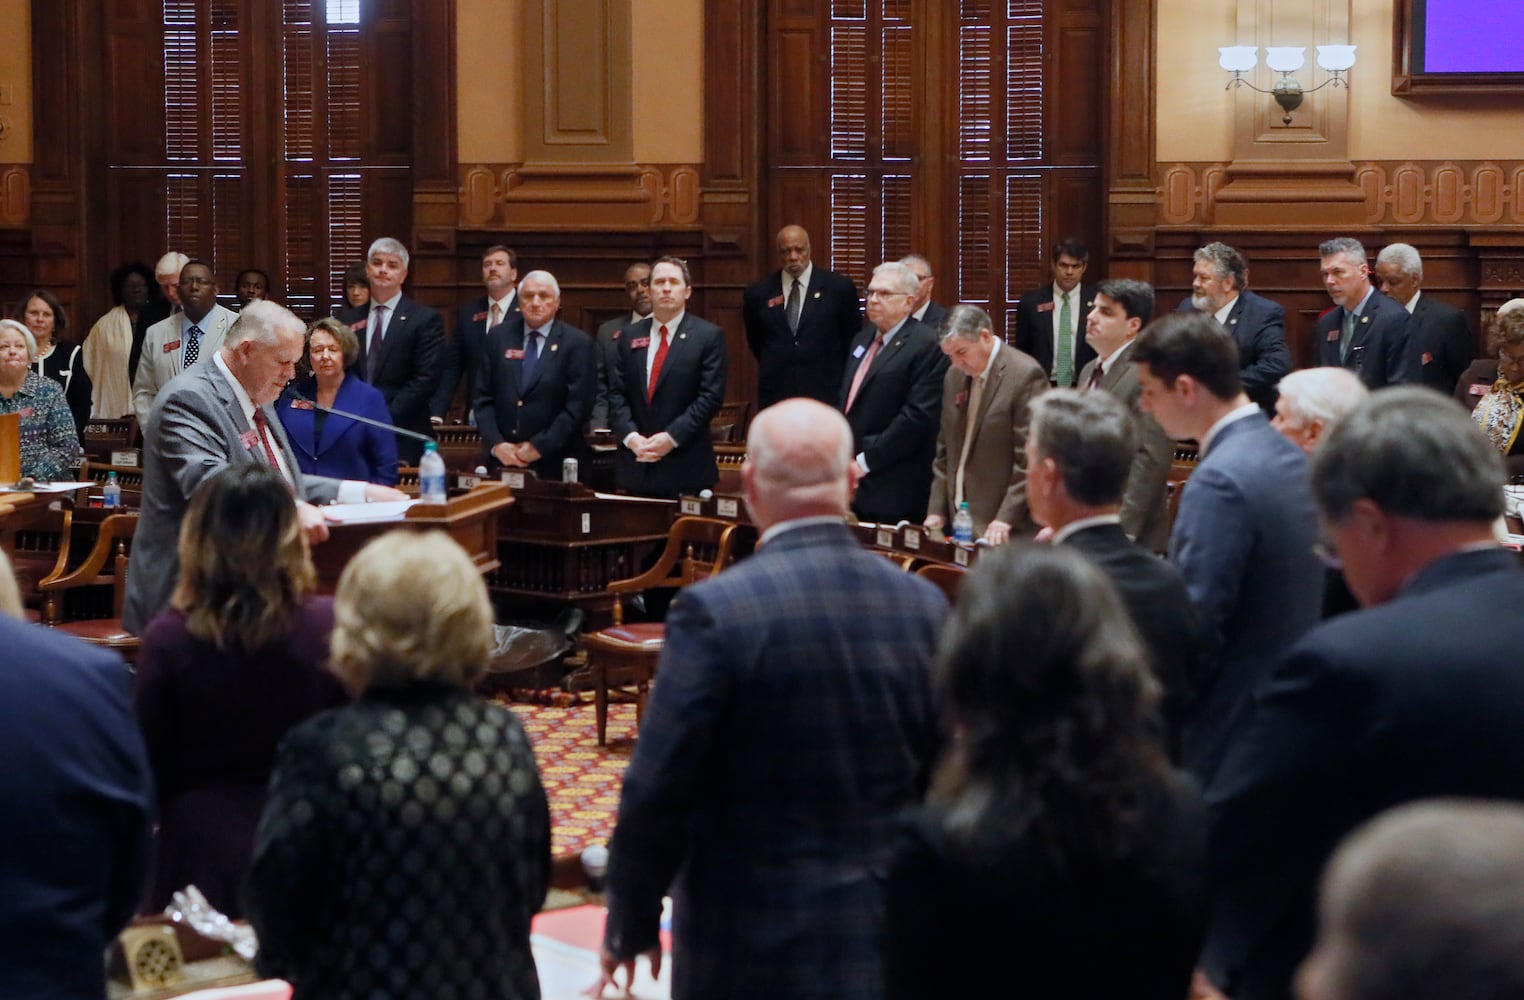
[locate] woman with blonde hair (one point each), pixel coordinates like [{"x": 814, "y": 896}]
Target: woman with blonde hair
[
  {"x": 240, "y": 657},
  {"x": 405, "y": 846}
]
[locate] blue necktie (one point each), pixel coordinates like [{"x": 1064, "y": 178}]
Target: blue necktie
[
  {"x": 531, "y": 359},
  {"x": 192, "y": 345}
]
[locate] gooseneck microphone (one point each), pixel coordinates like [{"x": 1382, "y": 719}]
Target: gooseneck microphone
[{"x": 405, "y": 432}]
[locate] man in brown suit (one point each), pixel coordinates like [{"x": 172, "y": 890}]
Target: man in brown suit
[
  {"x": 1122, "y": 308},
  {"x": 981, "y": 448}
]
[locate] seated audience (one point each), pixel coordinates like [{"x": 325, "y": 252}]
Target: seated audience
[
  {"x": 109, "y": 343},
  {"x": 58, "y": 356},
  {"x": 327, "y": 444},
  {"x": 1425, "y": 902},
  {"x": 240, "y": 657},
  {"x": 1058, "y": 847},
  {"x": 405, "y": 846},
  {"x": 1500, "y": 411},
  {"x": 49, "y": 441},
  {"x": 1479, "y": 376},
  {"x": 1416, "y": 695}
]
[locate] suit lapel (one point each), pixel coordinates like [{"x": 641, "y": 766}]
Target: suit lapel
[
  {"x": 677, "y": 346},
  {"x": 1118, "y": 369},
  {"x": 991, "y": 387},
  {"x": 548, "y": 353}
]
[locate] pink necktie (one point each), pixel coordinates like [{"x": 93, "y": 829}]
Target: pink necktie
[{"x": 862, "y": 369}]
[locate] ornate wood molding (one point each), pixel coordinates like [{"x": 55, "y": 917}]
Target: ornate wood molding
[
  {"x": 579, "y": 196},
  {"x": 1464, "y": 193},
  {"x": 15, "y": 196}
]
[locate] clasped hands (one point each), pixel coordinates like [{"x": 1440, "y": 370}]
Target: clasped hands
[
  {"x": 518, "y": 456},
  {"x": 650, "y": 449}
]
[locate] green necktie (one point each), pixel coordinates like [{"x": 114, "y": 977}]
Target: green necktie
[
  {"x": 1349, "y": 334},
  {"x": 1063, "y": 361}
]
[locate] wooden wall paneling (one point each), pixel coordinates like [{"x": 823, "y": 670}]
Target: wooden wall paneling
[
  {"x": 1131, "y": 211},
  {"x": 1075, "y": 113},
  {"x": 389, "y": 64},
  {"x": 577, "y": 80},
  {"x": 433, "y": 169}
]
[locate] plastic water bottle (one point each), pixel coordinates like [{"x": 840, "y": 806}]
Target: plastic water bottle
[
  {"x": 431, "y": 475},
  {"x": 963, "y": 525},
  {"x": 112, "y": 493}
]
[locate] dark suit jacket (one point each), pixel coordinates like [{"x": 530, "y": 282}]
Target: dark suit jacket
[
  {"x": 464, "y": 349},
  {"x": 411, "y": 358},
  {"x": 157, "y": 310},
  {"x": 1145, "y": 513},
  {"x": 1243, "y": 539},
  {"x": 1156, "y": 598},
  {"x": 606, "y": 351},
  {"x": 995, "y": 476},
  {"x": 1475, "y": 382},
  {"x": 1378, "y": 351},
  {"x": 1420, "y": 697},
  {"x": 1035, "y": 315},
  {"x": 1441, "y": 342},
  {"x": 785, "y": 735},
  {"x": 1258, "y": 326},
  {"x": 550, "y": 412},
  {"x": 347, "y": 448},
  {"x": 78, "y": 801},
  {"x": 689, "y": 392},
  {"x": 809, "y": 362},
  {"x": 933, "y": 317},
  {"x": 894, "y": 421}
]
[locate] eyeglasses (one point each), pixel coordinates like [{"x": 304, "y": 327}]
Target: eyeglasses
[
  {"x": 1504, "y": 358},
  {"x": 879, "y": 293}
]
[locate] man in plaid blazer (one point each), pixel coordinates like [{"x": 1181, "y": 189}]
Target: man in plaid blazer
[{"x": 792, "y": 721}]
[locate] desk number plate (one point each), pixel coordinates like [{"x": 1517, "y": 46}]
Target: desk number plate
[
  {"x": 515, "y": 480},
  {"x": 913, "y": 540},
  {"x": 128, "y": 458},
  {"x": 960, "y": 556},
  {"x": 587, "y": 524},
  {"x": 693, "y": 508},
  {"x": 726, "y": 508},
  {"x": 884, "y": 539},
  {"x": 469, "y": 482}
]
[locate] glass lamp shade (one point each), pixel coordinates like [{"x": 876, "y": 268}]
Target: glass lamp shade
[
  {"x": 1238, "y": 58},
  {"x": 1336, "y": 58},
  {"x": 1285, "y": 59}
]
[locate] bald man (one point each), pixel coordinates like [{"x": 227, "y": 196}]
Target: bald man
[
  {"x": 759, "y": 803},
  {"x": 800, "y": 321}
]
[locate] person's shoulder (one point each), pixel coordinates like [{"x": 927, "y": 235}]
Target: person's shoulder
[
  {"x": 48, "y": 659},
  {"x": 575, "y": 334},
  {"x": 1021, "y": 365},
  {"x": 1260, "y": 307},
  {"x": 162, "y": 328},
  {"x": 43, "y": 388}
]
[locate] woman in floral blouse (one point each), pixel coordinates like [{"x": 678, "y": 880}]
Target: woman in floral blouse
[{"x": 49, "y": 441}]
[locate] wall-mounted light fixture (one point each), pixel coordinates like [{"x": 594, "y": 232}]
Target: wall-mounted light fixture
[{"x": 1285, "y": 60}]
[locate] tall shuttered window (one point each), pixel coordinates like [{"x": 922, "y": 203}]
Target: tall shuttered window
[{"x": 900, "y": 125}]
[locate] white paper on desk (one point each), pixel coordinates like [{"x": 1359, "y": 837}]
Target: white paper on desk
[
  {"x": 630, "y": 499},
  {"x": 52, "y": 488},
  {"x": 367, "y": 513}
]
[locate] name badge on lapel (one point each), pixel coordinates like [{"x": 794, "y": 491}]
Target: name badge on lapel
[
  {"x": 248, "y": 439},
  {"x": 479, "y": 317},
  {"x": 1333, "y": 335},
  {"x": 358, "y": 324},
  {"x": 640, "y": 342},
  {"x": 775, "y": 302},
  {"x": 300, "y": 404},
  {"x": 859, "y": 351},
  {"x": 173, "y": 345}
]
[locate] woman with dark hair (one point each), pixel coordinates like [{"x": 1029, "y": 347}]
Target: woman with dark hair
[
  {"x": 356, "y": 286},
  {"x": 327, "y": 444},
  {"x": 58, "y": 356},
  {"x": 109, "y": 343},
  {"x": 1058, "y": 855},
  {"x": 240, "y": 657}
]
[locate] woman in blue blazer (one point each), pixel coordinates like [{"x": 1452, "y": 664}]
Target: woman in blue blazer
[{"x": 327, "y": 444}]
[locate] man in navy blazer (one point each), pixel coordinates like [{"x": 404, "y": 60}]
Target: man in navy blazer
[
  {"x": 800, "y": 322},
  {"x": 786, "y": 734},
  {"x": 1365, "y": 332},
  {"x": 892, "y": 396},
  {"x": 671, "y": 382},
  {"x": 473, "y": 321},
  {"x": 1417, "y": 696},
  {"x": 1038, "y": 313},
  {"x": 535, "y": 384},
  {"x": 78, "y": 802},
  {"x": 1220, "y": 286},
  {"x": 402, "y": 344},
  {"x": 922, "y": 309},
  {"x": 1441, "y": 343},
  {"x": 1244, "y": 534}
]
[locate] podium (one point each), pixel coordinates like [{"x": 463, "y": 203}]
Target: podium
[
  {"x": 10, "y": 449},
  {"x": 470, "y": 518}
]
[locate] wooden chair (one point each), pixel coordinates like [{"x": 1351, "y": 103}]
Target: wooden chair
[
  {"x": 625, "y": 655},
  {"x": 35, "y": 536},
  {"x": 128, "y": 477},
  {"x": 106, "y": 565},
  {"x": 729, "y": 425},
  {"x": 729, "y": 458},
  {"x": 460, "y": 447},
  {"x": 102, "y": 437},
  {"x": 947, "y": 578}
]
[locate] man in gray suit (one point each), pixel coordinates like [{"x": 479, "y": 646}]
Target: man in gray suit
[
  {"x": 981, "y": 447},
  {"x": 1122, "y": 307},
  {"x": 1245, "y": 532},
  {"x": 215, "y": 415},
  {"x": 172, "y": 345}
]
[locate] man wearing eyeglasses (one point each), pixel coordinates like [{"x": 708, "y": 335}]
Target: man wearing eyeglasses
[
  {"x": 172, "y": 345},
  {"x": 892, "y": 396}
]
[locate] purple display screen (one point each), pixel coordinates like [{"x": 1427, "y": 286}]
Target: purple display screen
[{"x": 1473, "y": 36}]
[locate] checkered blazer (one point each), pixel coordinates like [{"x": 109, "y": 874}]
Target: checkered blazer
[{"x": 791, "y": 721}]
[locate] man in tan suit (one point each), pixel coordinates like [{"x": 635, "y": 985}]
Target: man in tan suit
[
  {"x": 1122, "y": 308},
  {"x": 981, "y": 448}
]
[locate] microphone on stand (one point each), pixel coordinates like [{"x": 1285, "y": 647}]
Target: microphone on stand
[{"x": 405, "y": 432}]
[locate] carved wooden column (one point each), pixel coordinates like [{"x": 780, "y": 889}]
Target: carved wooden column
[{"x": 1132, "y": 196}]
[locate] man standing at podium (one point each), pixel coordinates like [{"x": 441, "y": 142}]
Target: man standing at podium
[{"x": 208, "y": 418}]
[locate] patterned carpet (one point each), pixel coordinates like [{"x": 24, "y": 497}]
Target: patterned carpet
[{"x": 581, "y": 778}]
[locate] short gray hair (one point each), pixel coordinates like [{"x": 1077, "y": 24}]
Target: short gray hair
[
  {"x": 966, "y": 323},
  {"x": 912, "y": 259},
  {"x": 1347, "y": 245},
  {"x": 1404, "y": 257},
  {"x": 1091, "y": 437},
  {"x": 1227, "y": 262},
  {"x": 902, "y": 275},
  {"x": 261, "y": 321},
  {"x": 1414, "y": 453},
  {"x": 546, "y": 277},
  {"x": 171, "y": 263},
  {"x": 1426, "y": 902},
  {"x": 26, "y": 337},
  {"x": 1322, "y": 394},
  {"x": 388, "y": 245}
]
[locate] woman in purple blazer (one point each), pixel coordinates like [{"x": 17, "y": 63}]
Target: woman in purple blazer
[
  {"x": 240, "y": 657},
  {"x": 327, "y": 444}
]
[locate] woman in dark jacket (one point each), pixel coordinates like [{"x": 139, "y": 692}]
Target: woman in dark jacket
[
  {"x": 406, "y": 844},
  {"x": 1059, "y": 856},
  {"x": 327, "y": 444}
]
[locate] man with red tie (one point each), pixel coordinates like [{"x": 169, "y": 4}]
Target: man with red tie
[{"x": 670, "y": 384}]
